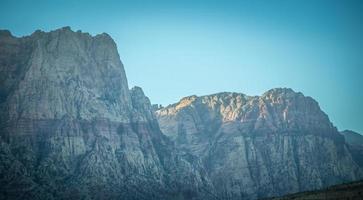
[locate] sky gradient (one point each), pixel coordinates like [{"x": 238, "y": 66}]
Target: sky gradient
[{"x": 174, "y": 49}]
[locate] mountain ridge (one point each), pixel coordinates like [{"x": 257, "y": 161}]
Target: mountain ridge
[
  {"x": 246, "y": 142},
  {"x": 71, "y": 128}
]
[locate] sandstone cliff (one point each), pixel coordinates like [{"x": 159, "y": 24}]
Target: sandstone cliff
[
  {"x": 258, "y": 146},
  {"x": 70, "y": 127}
]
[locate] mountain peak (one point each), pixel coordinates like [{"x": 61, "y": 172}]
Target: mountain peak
[
  {"x": 5, "y": 33},
  {"x": 61, "y": 30},
  {"x": 67, "y": 32},
  {"x": 281, "y": 91},
  {"x": 137, "y": 89},
  {"x": 63, "y": 60}
]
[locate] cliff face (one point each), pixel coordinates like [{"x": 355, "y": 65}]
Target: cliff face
[
  {"x": 50, "y": 75},
  {"x": 70, "y": 128},
  {"x": 269, "y": 145},
  {"x": 355, "y": 144}
]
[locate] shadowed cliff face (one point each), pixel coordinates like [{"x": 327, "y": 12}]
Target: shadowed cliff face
[
  {"x": 50, "y": 75},
  {"x": 355, "y": 144},
  {"x": 71, "y": 128},
  {"x": 269, "y": 145}
]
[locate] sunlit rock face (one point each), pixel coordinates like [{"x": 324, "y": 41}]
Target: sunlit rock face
[
  {"x": 258, "y": 146},
  {"x": 70, "y": 128}
]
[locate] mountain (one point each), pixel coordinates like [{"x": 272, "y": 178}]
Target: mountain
[
  {"x": 70, "y": 128},
  {"x": 259, "y": 146}
]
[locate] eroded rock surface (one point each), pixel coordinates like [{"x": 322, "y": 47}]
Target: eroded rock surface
[
  {"x": 72, "y": 129},
  {"x": 258, "y": 146},
  {"x": 355, "y": 144}
]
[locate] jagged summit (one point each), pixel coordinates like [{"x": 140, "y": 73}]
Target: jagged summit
[
  {"x": 280, "y": 91},
  {"x": 85, "y": 70},
  {"x": 279, "y": 110},
  {"x": 275, "y": 92},
  {"x": 67, "y": 32},
  {"x": 63, "y": 30}
]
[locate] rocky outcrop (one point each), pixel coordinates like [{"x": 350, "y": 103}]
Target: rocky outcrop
[
  {"x": 355, "y": 145},
  {"x": 70, "y": 127},
  {"x": 352, "y": 138},
  {"x": 259, "y": 146}
]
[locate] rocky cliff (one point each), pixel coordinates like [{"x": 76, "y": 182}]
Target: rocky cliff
[
  {"x": 355, "y": 144},
  {"x": 70, "y": 128},
  {"x": 352, "y": 138},
  {"x": 258, "y": 146}
]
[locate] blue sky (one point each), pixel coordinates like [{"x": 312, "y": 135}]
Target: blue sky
[{"x": 174, "y": 49}]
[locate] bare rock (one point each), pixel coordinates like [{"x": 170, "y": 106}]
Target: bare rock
[
  {"x": 70, "y": 128},
  {"x": 259, "y": 146}
]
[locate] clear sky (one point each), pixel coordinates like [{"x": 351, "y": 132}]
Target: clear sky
[{"x": 179, "y": 48}]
